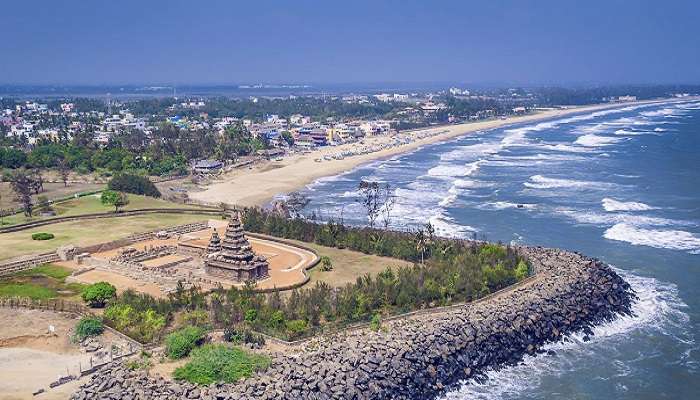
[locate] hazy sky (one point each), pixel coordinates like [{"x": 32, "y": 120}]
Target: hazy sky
[{"x": 527, "y": 42}]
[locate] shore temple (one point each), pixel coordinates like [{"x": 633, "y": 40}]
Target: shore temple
[{"x": 233, "y": 258}]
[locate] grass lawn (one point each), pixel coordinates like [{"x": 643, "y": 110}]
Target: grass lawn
[
  {"x": 83, "y": 233},
  {"x": 91, "y": 204},
  {"x": 43, "y": 282},
  {"x": 348, "y": 265}
]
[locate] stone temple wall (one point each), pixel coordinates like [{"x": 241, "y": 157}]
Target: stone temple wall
[{"x": 422, "y": 356}]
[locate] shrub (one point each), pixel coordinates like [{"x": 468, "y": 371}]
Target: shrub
[
  {"x": 326, "y": 264},
  {"x": 522, "y": 271},
  {"x": 98, "y": 294},
  {"x": 141, "y": 325},
  {"x": 243, "y": 335},
  {"x": 296, "y": 327},
  {"x": 88, "y": 326},
  {"x": 179, "y": 343},
  {"x": 135, "y": 184},
  {"x": 196, "y": 318},
  {"x": 42, "y": 236},
  {"x": 220, "y": 363},
  {"x": 376, "y": 322}
]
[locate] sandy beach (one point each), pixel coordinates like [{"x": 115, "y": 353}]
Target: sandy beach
[{"x": 257, "y": 186}]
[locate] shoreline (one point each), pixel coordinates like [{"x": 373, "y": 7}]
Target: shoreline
[{"x": 260, "y": 185}]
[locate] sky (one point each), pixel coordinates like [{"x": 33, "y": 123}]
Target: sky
[{"x": 356, "y": 41}]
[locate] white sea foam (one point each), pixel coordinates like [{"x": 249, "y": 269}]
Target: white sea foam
[
  {"x": 662, "y": 239},
  {"x": 615, "y": 205},
  {"x": 658, "y": 310},
  {"x": 453, "y": 171},
  {"x": 465, "y": 153},
  {"x": 471, "y": 184},
  {"x": 607, "y": 219},
  {"x": 592, "y": 140},
  {"x": 502, "y": 205},
  {"x": 543, "y": 182}
]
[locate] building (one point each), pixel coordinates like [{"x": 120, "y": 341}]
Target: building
[{"x": 235, "y": 260}]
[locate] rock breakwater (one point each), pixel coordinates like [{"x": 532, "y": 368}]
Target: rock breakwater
[{"x": 421, "y": 356}]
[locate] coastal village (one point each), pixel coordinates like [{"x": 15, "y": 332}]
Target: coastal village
[{"x": 129, "y": 311}]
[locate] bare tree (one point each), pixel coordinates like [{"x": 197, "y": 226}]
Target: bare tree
[
  {"x": 22, "y": 184},
  {"x": 37, "y": 182},
  {"x": 374, "y": 196},
  {"x": 64, "y": 171},
  {"x": 295, "y": 203}
]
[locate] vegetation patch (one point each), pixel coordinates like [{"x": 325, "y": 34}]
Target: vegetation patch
[
  {"x": 135, "y": 184},
  {"x": 42, "y": 236},
  {"x": 43, "y": 282},
  {"x": 220, "y": 363},
  {"x": 25, "y": 289},
  {"x": 179, "y": 343},
  {"x": 97, "y": 294},
  {"x": 88, "y": 326}
]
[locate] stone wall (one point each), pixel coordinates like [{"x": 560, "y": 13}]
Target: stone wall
[
  {"x": 11, "y": 266},
  {"x": 422, "y": 356}
]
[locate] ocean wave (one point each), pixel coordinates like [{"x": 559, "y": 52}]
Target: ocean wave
[
  {"x": 615, "y": 205},
  {"x": 502, "y": 205},
  {"x": 543, "y": 182},
  {"x": 592, "y": 140},
  {"x": 607, "y": 219},
  {"x": 453, "y": 171},
  {"x": 471, "y": 184},
  {"x": 661, "y": 239},
  {"x": 658, "y": 311},
  {"x": 463, "y": 153}
]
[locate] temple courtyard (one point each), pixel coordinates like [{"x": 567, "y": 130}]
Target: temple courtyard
[{"x": 156, "y": 265}]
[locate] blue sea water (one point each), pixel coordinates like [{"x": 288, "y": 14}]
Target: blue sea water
[{"x": 622, "y": 185}]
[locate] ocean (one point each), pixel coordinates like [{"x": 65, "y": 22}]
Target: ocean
[{"x": 622, "y": 185}]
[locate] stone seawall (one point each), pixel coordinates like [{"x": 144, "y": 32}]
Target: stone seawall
[{"x": 422, "y": 356}]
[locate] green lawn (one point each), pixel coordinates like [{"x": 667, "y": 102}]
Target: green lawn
[
  {"x": 348, "y": 265},
  {"x": 43, "y": 282},
  {"x": 89, "y": 232},
  {"x": 91, "y": 204}
]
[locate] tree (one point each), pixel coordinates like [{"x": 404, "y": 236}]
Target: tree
[
  {"x": 63, "y": 171},
  {"x": 134, "y": 184},
  {"x": 114, "y": 198},
  {"x": 37, "y": 182},
  {"x": 295, "y": 203},
  {"x": 374, "y": 196},
  {"x": 22, "y": 184},
  {"x": 98, "y": 294}
]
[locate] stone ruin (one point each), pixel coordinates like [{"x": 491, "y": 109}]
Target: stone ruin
[{"x": 131, "y": 255}]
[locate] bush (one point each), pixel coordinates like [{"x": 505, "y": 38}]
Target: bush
[
  {"x": 98, "y": 294},
  {"x": 142, "y": 325},
  {"x": 243, "y": 335},
  {"x": 135, "y": 184},
  {"x": 220, "y": 363},
  {"x": 179, "y": 343},
  {"x": 376, "y": 322},
  {"x": 326, "y": 264},
  {"x": 522, "y": 271},
  {"x": 196, "y": 318},
  {"x": 42, "y": 236},
  {"x": 88, "y": 326}
]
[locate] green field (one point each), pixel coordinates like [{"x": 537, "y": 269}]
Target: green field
[
  {"x": 348, "y": 265},
  {"x": 88, "y": 232},
  {"x": 91, "y": 204},
  {"x": 43, "y": 282}
]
